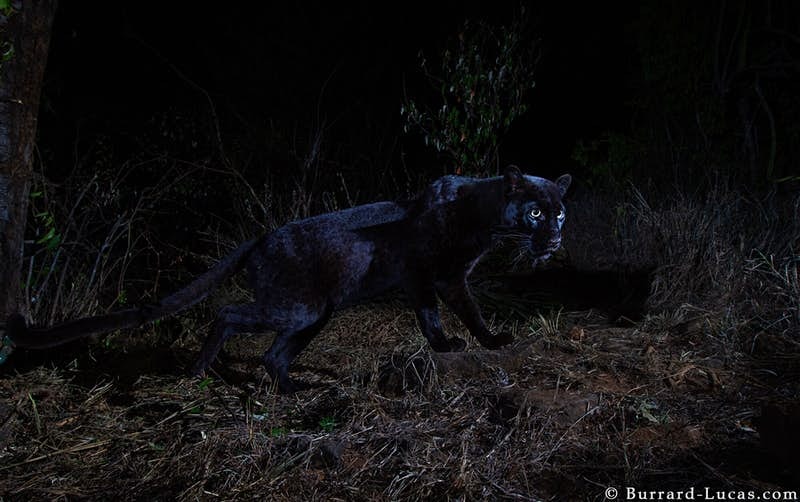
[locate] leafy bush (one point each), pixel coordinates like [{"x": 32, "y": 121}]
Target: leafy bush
[{"x": 482, "y": 82}]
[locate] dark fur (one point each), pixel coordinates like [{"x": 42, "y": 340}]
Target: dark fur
[{"x": 305, "y": 270}]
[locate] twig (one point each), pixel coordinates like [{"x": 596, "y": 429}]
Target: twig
[{"x": 72, "y": 449}]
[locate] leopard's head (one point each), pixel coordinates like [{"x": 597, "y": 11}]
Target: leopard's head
[{"x": 533, "y": 213}]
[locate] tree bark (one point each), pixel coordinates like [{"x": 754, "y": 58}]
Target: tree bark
[{"x": 26, "y": 29}]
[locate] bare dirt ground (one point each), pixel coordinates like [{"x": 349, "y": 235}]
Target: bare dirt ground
[{"x": 574, "y": 406}]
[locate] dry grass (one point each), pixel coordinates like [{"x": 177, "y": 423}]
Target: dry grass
[
  {"x": 575, "y": 405},
  {"x": 719, "y": 250}
]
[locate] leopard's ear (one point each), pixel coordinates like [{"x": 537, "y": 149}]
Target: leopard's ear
[
  {"x": 512, "y": 179},
  {"x": 563, "y": 183}
]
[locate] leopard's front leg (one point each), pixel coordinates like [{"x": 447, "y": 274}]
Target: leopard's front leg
[{"x": 458, "y": 298}]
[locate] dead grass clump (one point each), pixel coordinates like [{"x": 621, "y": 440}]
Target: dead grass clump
[{"x": 719, "y": 250}]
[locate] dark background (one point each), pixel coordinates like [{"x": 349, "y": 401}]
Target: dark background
[
  {"x": 700, "y": 85},
  {"x": 228, "y": 121},
  {"x": 283, "y": 69}
]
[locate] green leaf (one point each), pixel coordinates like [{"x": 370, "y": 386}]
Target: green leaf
[
  {"x": 204, "y": 383},
  {"x": 327, "y": 424},
  {"x": 54, "y": 242},
  {"x": 49, "y": 235}
]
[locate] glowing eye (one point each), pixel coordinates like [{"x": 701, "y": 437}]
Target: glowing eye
[
  {"x": 535, "y": 213},
  {"x": 561, "y": 215}
]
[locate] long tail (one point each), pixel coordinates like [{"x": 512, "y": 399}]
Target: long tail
[{"x": 20, "y": 335}]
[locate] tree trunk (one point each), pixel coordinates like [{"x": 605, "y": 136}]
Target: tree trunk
[{"x": 25, "y": 30}]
